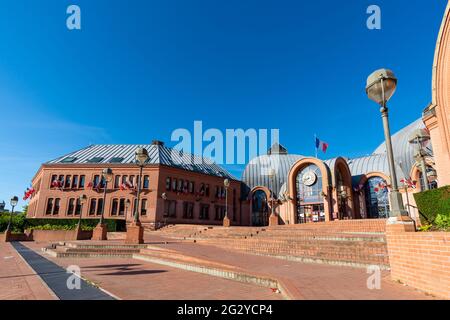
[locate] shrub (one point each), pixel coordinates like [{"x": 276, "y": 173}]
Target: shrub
[
  {"x": 442, "y": 222},
  {"x": 433, "y": 203},
  {"x": 66, "y": 224}
]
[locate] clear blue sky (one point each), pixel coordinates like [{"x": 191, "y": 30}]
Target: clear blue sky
[{"x": 140, "y": 69}]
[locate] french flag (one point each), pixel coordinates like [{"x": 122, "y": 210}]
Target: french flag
[{"x": 322, "y": 145}]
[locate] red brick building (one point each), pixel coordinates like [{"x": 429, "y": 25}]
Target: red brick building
[{"x": 175, "y": 188}]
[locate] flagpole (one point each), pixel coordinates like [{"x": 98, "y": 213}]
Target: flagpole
[{"x": 315, "y": 144}]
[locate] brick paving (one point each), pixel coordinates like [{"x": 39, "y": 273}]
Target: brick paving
[
  {"x": 128, "y": 278},
  {"x": 17, "y": 280},
  {"x": 134, "y": 279},
  {"x": 313, "y": 281}
]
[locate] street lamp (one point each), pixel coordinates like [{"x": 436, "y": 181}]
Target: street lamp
[
  {"x": 381, "y": 85},
  {"x": 135, "y": 231},
  {"x": 13, "y": 203},
  {"x": 418, "y": 137},
  {"x": 273, "y": 220},
  {"x": 226, "y": 183},
  {"x": 141, "y": 156},
  {"x": 107, "y": 174},
  {"x": 82, "y": 199}
]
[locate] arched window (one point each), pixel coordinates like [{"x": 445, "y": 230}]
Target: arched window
[
  {"x": 377, "y": 198},
  {"x": 310, "y": 206},
  {"x": 260, "y": 210}
]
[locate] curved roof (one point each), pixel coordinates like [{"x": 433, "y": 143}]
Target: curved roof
[
  {"x": 255, "y": 173},
  {"x": 158, "y": 155},
  {"x": 373, "y": 163},
  {"x": 403, "y": 150}
]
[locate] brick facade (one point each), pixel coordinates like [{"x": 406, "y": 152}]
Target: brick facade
[
  {"x": 186, "y": 200},
  {"x": 420, "y": 259}
]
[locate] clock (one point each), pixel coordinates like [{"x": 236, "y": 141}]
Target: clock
[{"x": 309, "y": 178}]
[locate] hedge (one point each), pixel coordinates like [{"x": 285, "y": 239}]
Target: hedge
[
  {"x": 20, "y": 223},
  {"x": 433, "y": 203}
]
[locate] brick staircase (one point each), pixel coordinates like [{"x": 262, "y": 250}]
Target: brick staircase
[
  {"x": 356, "y": 243},
  {"x": 92, "y": 250}
]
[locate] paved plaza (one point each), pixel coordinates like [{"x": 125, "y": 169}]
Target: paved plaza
[{"x": 128, "y": 278}]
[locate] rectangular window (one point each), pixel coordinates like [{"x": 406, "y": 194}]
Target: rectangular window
[
  {"x": 217, "y": 194},
  {"x": 82, "y": 179},
  {"x": 92, "y": 207},
  {"x": 69, "y": 160},
  {"x": 71, "y": 207},
  {"x": 56, "y": 208},
  {"x": 99, "y": 206},
  {"x": 174, "y": 184},
  {"x": 131, "y": 180},
  {"x": 54, "y": 178},
  {"x": 168, "y": 183},
  {"x": 146, "y": 182},
  {"x": 75, "y": 182},
  {"x": 143, "y": 207},
  {"x": 207, "y": 190},
  {"x": 114, "y": 207},
  {"x": 116, "y": 160},
  {"x": 61, "y": 179},
  {"x": 49, "y": 209},
  {"x": 78, "y": 208},
  {"x": 188, "y": 210},
  {"x": 202, "y": 189},
  {"x": 96, "y": 181},
  {"x": 170, "y": 208},
  {"x": 122, "y": 207},
  {"x": 219, "y": 212},
  {"x": 180, "y": 185},
  {"x": 191, "y": 187},
  {"x": 124, "y": 179},
  {"x": 116, "y": 182},
  {"x": 204, "y": 212},
  {"x": 67, "y": 183}
]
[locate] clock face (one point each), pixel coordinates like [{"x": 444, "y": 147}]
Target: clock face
[{"x": 309, "y": 178}]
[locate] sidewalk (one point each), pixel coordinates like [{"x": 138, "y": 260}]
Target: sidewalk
[{"x": 17, "y": 280}]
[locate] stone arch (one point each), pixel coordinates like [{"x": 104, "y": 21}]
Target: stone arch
[
  {"x": 362, "y": 194},
  {"x": 326, "y": 185},
  {"x": 250, "y": 197},
  {"x": 341, "y": 166}
]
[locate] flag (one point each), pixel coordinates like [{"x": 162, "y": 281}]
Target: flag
[
  {"x": 409, "y": 183},
  {"x": 322, "y": 145}
]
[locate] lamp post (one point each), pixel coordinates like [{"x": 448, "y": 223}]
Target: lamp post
[
  {"x": 381, "y": 85},
  {"x": 226, "y": 220},
  {"x": 107, "y": 177},
  {"x": 13, "y": 203},
  {"x": 418, "y": 137},
  {"x": 135, "y": 232},
  {"x": 141, "y": 156},
  {"x": 273, "y": 219},
  {"x": 100, "y": 231},
  {"x": 82, "y": 200}
]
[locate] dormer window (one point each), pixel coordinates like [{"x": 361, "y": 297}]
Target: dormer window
[
  {"x": 68, "y": 160},
  {"x": 95, "y": 160}
]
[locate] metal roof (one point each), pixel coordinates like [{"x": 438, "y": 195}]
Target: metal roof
[
  {"x": 372, "y": 163},
  {"x": 403, "y": 150},
  {"x": 254, "y": 176},
  {"x": 158, "y": 155}
]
